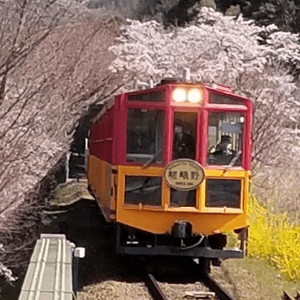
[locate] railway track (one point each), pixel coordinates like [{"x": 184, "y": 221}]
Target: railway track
[
  {"x": 216, "y": 291},
  {"x": 101, "y": 265},
  {"x": 216, "y": 288},
  {"x": 154, "y": 288},
  {"x": 287, "y": 296}
]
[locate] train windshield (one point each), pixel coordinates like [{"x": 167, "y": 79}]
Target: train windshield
[
  {"x": 145, "y": 136},
  {"x": 184, "y": 135},
  {"x": 225, "y": 138}
]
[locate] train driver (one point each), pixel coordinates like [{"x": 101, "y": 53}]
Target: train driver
[
  {"x": 223, "y": 147},
  {"x": 184, "y": 143}
]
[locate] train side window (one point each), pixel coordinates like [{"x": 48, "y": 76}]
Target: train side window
[
  {"x": 156, "y": 96},
  {"x": 225, "y": 138},
  {"x": 183, "y": 198},
  {"x": 220, "y": 99},
  {"x": 143, "y": 189},
  {"x": 184, "y": 135},
  {"x": 220, "y": 193},
  {"x": 145, "y": 130}
]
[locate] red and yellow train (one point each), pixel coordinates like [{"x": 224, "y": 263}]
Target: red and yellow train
[{"x": 170, "y": 166}]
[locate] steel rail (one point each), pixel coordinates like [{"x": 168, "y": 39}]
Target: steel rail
[
  {"x": 287, "y": 296},
  {"x": 220, "y": 293},
  {"x": 154, "y": 288},
  {"x": 216, "y": 288}
]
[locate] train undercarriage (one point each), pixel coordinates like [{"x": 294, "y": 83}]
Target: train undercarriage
[{"x": 207, "y": 249}]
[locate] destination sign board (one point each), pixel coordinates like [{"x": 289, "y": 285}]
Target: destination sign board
[{"x": 184, "y": 174}]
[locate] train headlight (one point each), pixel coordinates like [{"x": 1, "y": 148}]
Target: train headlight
[
  {"x": 194, "y": 96},
  {"x": 179, "y": 95}
]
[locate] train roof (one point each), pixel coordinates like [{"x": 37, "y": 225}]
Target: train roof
[
  {"x": 143, "y": 87},
  {"x": 146, "y": 87}
]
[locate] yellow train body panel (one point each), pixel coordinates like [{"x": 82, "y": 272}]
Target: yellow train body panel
[
  {"x": 160, "y": 219},
  {"x": 162, "y": 222},
  {"x": 101, "y": 181},
  {"x": 109, "y": 189}
]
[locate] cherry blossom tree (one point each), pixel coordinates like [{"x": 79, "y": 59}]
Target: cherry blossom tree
[
  {"x": 257, "y": 62},
  {"x": 53, "y": 66},
  {"x": 51, "y": 70}
]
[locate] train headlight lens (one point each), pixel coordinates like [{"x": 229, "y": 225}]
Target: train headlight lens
[
  {"x": 194, "y": 96},
  {"x": 179, "y": 95}
]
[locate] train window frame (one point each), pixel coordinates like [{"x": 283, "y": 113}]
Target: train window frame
[
  {"x": 237, "y": 155},
  {"x": 197, "y": 130},
  {"x": 224, "y": 209},
  {"x": 160, "y": 92},
  {"x": 230, "y": 109},
  {"x": 152, "y": 171},
  {"x": 135, "y": 205},
  {"x": 125, "y": 106},
  {"x": 188, "y": 198},
  {"x": 225, "y": 180},
  {"x": 159, "y": 89},
  {"x": 232, "y": 99},
  {"x": 230, "y": 174},
  {"x": 148, "y": 161}
]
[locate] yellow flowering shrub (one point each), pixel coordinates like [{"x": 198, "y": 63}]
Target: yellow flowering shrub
[{"x": 274, "y": 239}]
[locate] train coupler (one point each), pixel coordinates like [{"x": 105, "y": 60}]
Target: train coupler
[{"x": 182, "y": 230}]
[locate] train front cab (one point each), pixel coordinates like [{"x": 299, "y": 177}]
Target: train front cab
[{"x": 152, "y": 129}]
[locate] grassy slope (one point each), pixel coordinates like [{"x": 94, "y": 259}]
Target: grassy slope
[
  {"x": 253, "y": 279},
  {"x": 272, "y": 240}
]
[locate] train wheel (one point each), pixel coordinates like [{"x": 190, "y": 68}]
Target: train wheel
[{"x": 204, "y": 265}]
